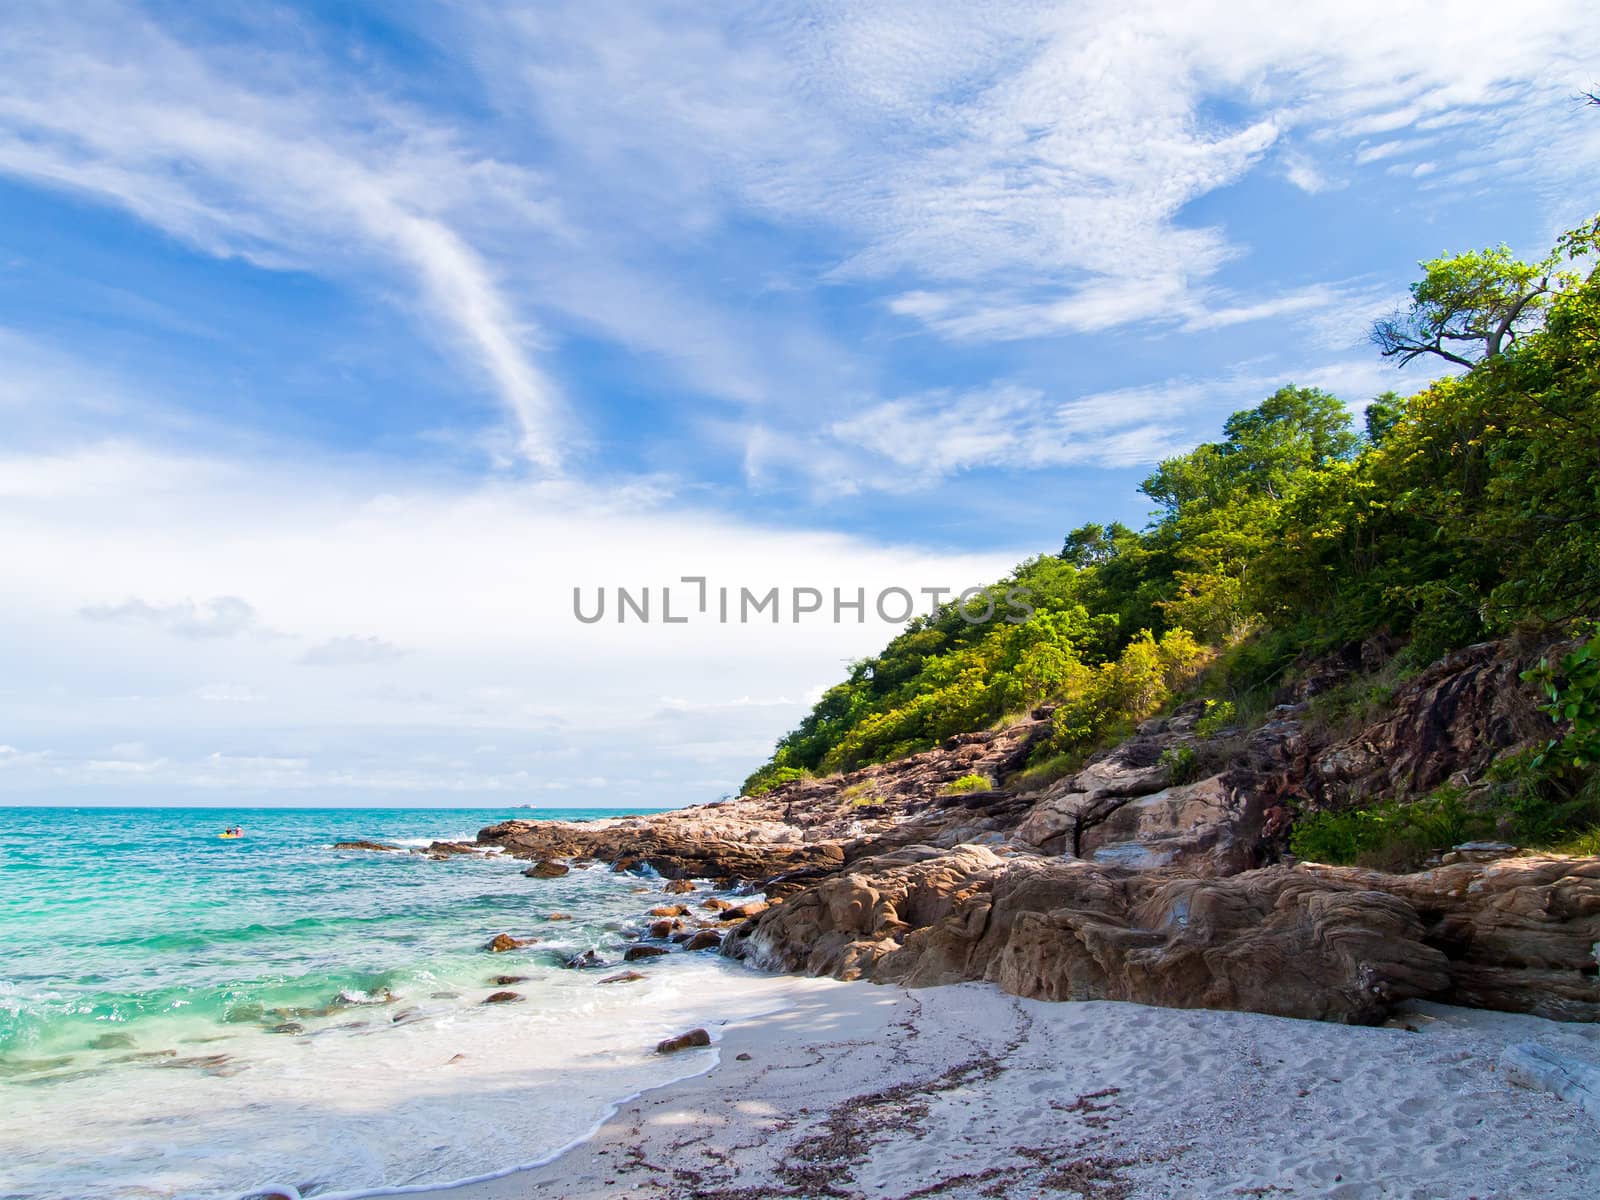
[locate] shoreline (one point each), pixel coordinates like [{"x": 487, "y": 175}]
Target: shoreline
[{"x": 858, "y": 1089}]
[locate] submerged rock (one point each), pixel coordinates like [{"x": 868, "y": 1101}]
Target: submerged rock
[
  {"x": 588, "y": 960},
  {"x": 438, "y": 850},
  {"x": 547, "y": 870},
  {"x": 362, "y": 844},
  {"x": 502, "y": 997},
  {"x": 624, "y": 977}
]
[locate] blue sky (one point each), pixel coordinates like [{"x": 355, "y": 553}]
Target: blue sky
[{"x": 338, "y": 343}]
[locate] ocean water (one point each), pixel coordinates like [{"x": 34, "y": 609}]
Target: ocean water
[{"x": 183, "y": 1016}]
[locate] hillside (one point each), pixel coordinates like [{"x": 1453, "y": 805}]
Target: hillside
[{"x": 1468, "y": 511}]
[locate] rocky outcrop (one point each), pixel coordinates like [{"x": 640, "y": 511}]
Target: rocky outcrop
[
  {"x": 1520, "y": 934},
  {"x": 1451, "y": 719},
  {"x": 801, "y": 831},
  {"x": 1157, "y": 872},
  {"x": 1168, "y": 798},
  {"x": 1319, "y": 942}
]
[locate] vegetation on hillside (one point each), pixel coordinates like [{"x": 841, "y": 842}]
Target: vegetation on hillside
[{"x": 1463, "y": 511}]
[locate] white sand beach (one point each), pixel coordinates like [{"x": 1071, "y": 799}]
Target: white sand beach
[{"x": 860, "y": 1090}]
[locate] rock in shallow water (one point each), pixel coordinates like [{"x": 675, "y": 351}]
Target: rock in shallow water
[
  {"x": 635, "y": 953},
  {"x": 501, "y": 942},
  {"x": 684, "y": 1041},
  {"x": 502, "y": 997},
  {"x": 546, "y": 870}
]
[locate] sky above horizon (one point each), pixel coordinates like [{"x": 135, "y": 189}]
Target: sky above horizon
[{"x": 340, "y": 342}]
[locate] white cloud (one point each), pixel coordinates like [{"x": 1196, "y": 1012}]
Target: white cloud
[
  {"x": 1302, "y": 171},
  {"x": 222, "y": 617},
  {"x": 11, "y": 757},
  {"x": 351, "y": 651},
  {"x": 473, "y": 580},
  {"x": 913, "y": 443}
]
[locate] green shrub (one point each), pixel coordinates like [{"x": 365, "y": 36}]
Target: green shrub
[
  {"x": 1219, "y": 715},
  {"x": 1393, "y": 836},
  {"x": 968, "y": 783},
  {"x": 859, "y": 794},
  {"x": 770, "y": 776},
  {"x": 1046, "y": 771},
  {"x": 1182, "y": 762},
  {"x": 1572, "y": 693}
]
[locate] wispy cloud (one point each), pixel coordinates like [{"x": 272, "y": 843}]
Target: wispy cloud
[
  {"x": 913, "y": 443},
  {"x": 1052, "y": 150},
  {"x": 246, "y": 153}
]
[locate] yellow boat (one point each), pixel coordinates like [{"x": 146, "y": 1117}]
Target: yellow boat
[{"x": 229, "y": 836}]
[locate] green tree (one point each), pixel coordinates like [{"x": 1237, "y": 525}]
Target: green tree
[
  {"x": 1093, "y": 544},
  {"x": 1468, "y": 307},
  {"x": 1383, "y": 414}
]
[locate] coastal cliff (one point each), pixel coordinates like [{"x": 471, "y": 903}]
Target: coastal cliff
[{"x": 1159, "y": 872}]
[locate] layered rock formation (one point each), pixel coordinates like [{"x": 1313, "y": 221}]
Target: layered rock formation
[
  {"x": 1156, "y": 873},
  {"x": 1306, "y": 941}
]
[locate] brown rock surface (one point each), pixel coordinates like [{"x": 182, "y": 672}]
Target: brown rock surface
[
  {"x": 437, "y": 850},
  {"x": 1320, "y": 942},
  {"x": 502, "y": 998},
  {"x": 545, "y": 869},
  {"x": 636, "y": 953},
  {"x": 501, "y": 942},
  {"x": 684, "y": 1041},
  {"x": 362, "y": 844},
  {"x": 1453, "y": 717}
]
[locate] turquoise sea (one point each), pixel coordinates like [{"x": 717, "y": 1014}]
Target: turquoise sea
[{"x": 182, "y": 1015}]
